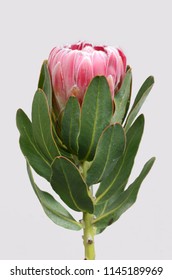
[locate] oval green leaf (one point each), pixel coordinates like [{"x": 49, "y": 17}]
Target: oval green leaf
[
  {"x": 122, "y": 99},
  {"x": 71, "y": 124},
  {"x": 127, "y": 198},
  {"x": 68, "y": 183},
  {"x": 139, "y": 100},
  {"x": 53, "y": 209},
  {"x": 118, "y": 178},
  {"x": 45, "y": 83},
  {"x": 42, "y": 126},
  {"x": 96, "y": 113},
  {"x": 110, "y": 148},
  {"x": 29, "y": 148}
]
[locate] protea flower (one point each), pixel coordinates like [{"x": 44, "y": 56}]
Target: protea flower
[{"x": 73, "y": 67}]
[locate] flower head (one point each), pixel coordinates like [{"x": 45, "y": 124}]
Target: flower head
[{"x": 73, "y": 67}]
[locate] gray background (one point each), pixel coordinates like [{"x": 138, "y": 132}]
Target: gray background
[{"x": 29, "y": 30}]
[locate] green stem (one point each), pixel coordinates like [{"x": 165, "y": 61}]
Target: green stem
[
  {"x": 89, "y": 230},
  {"x": 88, "y": 236}
]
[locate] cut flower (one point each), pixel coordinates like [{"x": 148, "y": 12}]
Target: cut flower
[{"x": 83, "y": 132}]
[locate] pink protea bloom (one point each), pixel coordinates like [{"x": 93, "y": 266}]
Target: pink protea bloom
[{"x": 73, "y": 67}]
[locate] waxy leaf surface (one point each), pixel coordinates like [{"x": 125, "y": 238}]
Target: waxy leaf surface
[
  {"x": 109, "y": 149},
  {"x": 71, "y": 124},
  {"x": 96, "y": 113},
  {"x": 118, "y": 178},
  {"x": 125, "y": 200},
  {"x": 122, "y": 98},
  {"x": 53, "y": 209},
  {"x": 42, "y": 126},
  {"x": 45, "y": 83},
  {"x": 68, "y": 183},
  {"x": 29, "y": 148},
  {"x": 139, "y": 100}
]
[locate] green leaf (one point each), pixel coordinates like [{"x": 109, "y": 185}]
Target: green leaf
[
  {"x": 42, "y": 126},
  {"x": 117, "y": 179},
  {"x": 110, "y": 147},
  {"x": 53, "y": 209},
  {"x": 96, "y": 113},
  {"x": 122, "y": 98},
  {"x": 44, "y": 130},
  {"x": 70, "y": 124},
  {"x": 139, "y": 100},
  {"x": 61, "y": 146},
  {"x": 68, "y": 183},
  {"x": 124, "y": 201},
  {"x": 29, "y": 148},
  {"x": 56, "y": 136},
  {"x": 45, "y": 83}
]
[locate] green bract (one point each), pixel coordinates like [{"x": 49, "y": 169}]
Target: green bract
[{"x": 95, "y": 142}]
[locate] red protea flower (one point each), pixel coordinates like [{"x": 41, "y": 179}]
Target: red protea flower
[{"x": 73, "y": 67}]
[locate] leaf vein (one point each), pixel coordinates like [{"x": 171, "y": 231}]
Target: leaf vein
[
  {"x": 35, "y": 147},
  {"x": 108, "y": 188}
]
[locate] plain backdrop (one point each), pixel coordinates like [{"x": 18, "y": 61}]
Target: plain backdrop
[{"x": 29, "y": 30}]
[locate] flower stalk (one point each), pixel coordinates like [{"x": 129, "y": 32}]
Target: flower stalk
[
  {"x": 88, "y": 237},
  {"x": 88, "y": 228}
]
